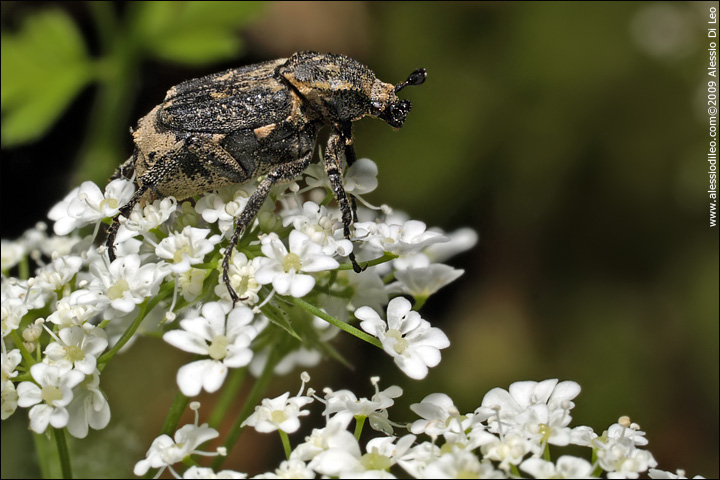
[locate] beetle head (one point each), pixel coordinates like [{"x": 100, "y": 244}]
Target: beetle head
[
  {"x": 343, "y": 90},
  {"x": 394, "y": 111}
]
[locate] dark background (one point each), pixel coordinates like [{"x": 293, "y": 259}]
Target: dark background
[{"x": 572, "y": 137}]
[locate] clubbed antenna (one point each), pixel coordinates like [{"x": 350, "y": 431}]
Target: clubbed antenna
[{"x": 416, "y": 78}]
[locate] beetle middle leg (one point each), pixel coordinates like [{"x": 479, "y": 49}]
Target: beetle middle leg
[
  {"x": 282, "y": 173},
  {"x": 333, "y": 169}
]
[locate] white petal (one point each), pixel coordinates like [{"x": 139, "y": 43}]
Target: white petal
[
  {"x": 190, "y": 377},
  {"x": 281, "y": 283},
  {"x": 397, "y": 308},
  {"x": 301, "y": 285},
  {"x": 40, "y": 417},
  {"x": 59, "y": 417},
  {"x": 214, "y": 376},
  {"x": 413, "y": 368},
  {"x": 186, "y": 341},
  {"x": 317, "y": 263}
]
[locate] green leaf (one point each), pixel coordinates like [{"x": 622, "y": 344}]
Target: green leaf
[
  {"x": 44, "y": 66},
  {"x": 193, "y": 32}
]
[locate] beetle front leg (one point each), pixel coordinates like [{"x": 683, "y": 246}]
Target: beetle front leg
[
  {"x": 124, "y": 211},
  {"x": 282, "y": 173},
  {"x": 333, "y": 169}
]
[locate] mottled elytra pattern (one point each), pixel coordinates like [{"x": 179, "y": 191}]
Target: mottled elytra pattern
[{"x": 234, "y": 126}]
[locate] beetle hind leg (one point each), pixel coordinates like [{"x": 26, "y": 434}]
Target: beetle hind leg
[{"x": 282, "y": 173}]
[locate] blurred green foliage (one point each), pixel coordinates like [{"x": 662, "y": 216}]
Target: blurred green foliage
[
  {"x": 45, "y": 64},
  {"x": 48, "y": 46},
  {"x": 572, "y": 136}
]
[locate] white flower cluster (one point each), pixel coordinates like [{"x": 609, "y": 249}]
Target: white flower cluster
[
  {"x": 63, "y": 322},
  {"x": 508, "y": 436}
]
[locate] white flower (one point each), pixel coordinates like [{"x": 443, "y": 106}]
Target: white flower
[
  {"x": 89, "y": 407},
  {"x": 12, "y": 310},
  {"x": 439, "y": 415},
  {"x": 223, "y": 207},
  {"x": 510, "y": 450},
  {"x": 409, "y": 339},
  {"x": 242, "y": 279},
  {"x": 375, "y": 409},
  {"x": 164, "y": 451},
  {"x": 361, "y": 177},
  {"x": 412, "y": 236},
  {"x": 143, "y": 219},
  {"x": 69, "y": 312},
  {"x": 81, "y": 346},
  {"x": 348, "y": 462},
  {"x": 567, "y": 467},
  {"x": 9, "y": 395},
  {"x": 292, "y": 468},
  {"x": 279, "y": 413},
  {"x": 662, "y": 474},
  {"x": 539, "y": 410},
  {"x": 629, "y": 432},
  {"x": 333, "y": 435},
  {"x": 86, "y": 204},
  {"x": 617, "y": 451},
  {"x": 186, "y": 248},
  {"x": 204, "y": 472},
  {"x": 303, "y": 357},
  {"x": 321, "y": 228},
  {"x": 226, "y": 343},
  {"x": 283, "y": 268},
  {"x": 55, "y": 391},
  {"x": 55, "y": 275},
  {"x": 423, "y": 282},
  {"x": 11, "y": 252},
  {"x": 125, "y": 282},
  {"x": 191, "y": 283},
  {"x": 460, "y": 464},
  {"x": 460, "y": 240},
  {"x": 418, "y": 457},
  {"x": 368, "y": 288}
]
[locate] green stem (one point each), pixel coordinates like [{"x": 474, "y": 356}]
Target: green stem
[
  {"x": 20, "y": 345},
  {"x": 286, "y": 443},
  {"x": 334, "y": 321},
  {"x": 145, "y": 308},
  {"x": 419, "y": 302},
  {"x": 46, "y": 455},
  {"x": 63, "y": 452},
  {"x": 227, "y": 397},
  {"x": 385, "y": 258},
  {"x": 24, "y": 268},
  {"x": 359, "y": 422},
  {"x": 173, "y": 417},
  {"x": 253, "y": 398}
]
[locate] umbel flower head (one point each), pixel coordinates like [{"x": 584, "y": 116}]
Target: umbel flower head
[{"x": 410, "y": 340}]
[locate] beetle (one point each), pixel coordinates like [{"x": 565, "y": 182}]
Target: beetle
[{"x": 263, "y": 119}]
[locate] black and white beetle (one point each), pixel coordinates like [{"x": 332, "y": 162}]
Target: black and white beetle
[{"x": 263, "y": 119}]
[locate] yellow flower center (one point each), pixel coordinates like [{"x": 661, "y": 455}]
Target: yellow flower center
[
  {"x": 111, "y": 203},
  {"x": 51, "y": 393},
  {"x": 278, "y": 417},
  {"x": 118, "y": 289},
  {"x": 74, "y": 353},
  {"x": 292, "y": 261},
  {"x": 375, "y": 461},
  {"x": 401, "y": 345},
  {"x": 218, "y": 347}
]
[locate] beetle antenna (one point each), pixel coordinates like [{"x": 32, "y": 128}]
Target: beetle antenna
[{"x": 416, "y": 78}]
